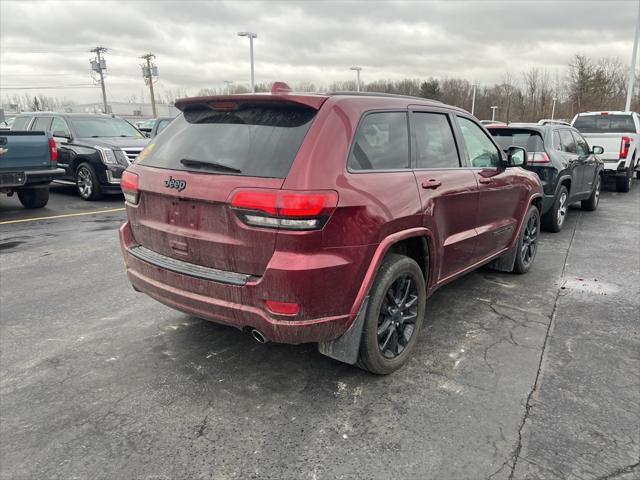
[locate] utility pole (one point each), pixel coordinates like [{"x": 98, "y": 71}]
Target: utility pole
[
  {"x": 357, "y": 70},
  {"x": 553, "y": 108},
  {"x": 634, "y": 58},
  {"x": 98, "y": 67},
  {"x": 228, "y": 83},
  {"x": 148, "y": 72}
]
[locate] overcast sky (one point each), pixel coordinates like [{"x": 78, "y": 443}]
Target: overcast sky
[{"x": 45, "y": 44}]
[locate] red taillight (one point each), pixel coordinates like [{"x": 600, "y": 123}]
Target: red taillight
[
  {"x": 538, "y": 157},
  {"x": 284, "y": 209},
  {"x": 129, "y": 186},
  {"x": 282, "y": 308},
  {"x": 53, "y": 150},
  {"x": 625, "y": 144}
]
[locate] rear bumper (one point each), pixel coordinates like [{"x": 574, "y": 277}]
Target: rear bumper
[
  {"x": 43, "y": 176},
  {"x": 243, "y": 306}
]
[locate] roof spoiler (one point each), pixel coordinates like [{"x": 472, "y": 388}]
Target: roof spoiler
[{"x": 280, "y": 94}]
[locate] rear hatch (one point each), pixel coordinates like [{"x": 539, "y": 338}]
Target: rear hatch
[{"x": 188, "y": 174}]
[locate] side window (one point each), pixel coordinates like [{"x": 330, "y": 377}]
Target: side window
[
  {"x": 582, "y": 145},
  {"x": 557, "y": 145},
  {"x": 162, "y": 125},
  {"x": 41, "y": 123},
  {"x": 568, "y": 142},
  {"x": 482, "y": 151},
  {"x": 435, "y": 145},
  {"x": 20, "y": 123},
  {"x": 59, "y": 125},
  {"x": 381, "y": 142}
]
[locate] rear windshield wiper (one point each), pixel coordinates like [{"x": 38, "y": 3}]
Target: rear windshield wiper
[{"x": 187, "y": 162}]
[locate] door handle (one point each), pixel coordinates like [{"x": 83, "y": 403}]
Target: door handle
[
  {"x": 485, "y": 181},
  {"x": 432, "y": 184}
]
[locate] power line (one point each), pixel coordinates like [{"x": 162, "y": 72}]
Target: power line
[{"x": 50, "y": 87}]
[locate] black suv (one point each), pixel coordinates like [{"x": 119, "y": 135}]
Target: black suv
[
  {"x": 93, "y": 149},
  {"x": 569, "y": 169}
]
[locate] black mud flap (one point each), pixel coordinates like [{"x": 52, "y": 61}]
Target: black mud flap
[
  {"x": 506, "y": 261},
  {"x": 346, "y": 348}
]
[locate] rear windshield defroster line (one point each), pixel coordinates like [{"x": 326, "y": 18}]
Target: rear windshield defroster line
[{"x": 251, "y": 140}]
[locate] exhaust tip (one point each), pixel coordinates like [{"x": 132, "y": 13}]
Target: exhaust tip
[{"x": 258, "y": 336}]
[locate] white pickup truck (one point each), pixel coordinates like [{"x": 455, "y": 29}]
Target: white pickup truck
[{"x": 619, "y": 134}]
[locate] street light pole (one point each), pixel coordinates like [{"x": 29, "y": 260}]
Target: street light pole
[
  {"x": 634, "y": 58},
  {"x": 493, "y": 113},
  {"x": 251, "y": 36},
  {"x": 473, "y": 99},
  {"x": 553, "y": 108},
  {"x": 357, "y": 70}
]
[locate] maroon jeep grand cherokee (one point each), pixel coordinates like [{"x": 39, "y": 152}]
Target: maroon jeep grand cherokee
[{"x": 323, "y": 218}]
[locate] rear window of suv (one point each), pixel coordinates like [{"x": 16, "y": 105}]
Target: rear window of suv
[
  {"x": 605, "y": 124},
  {"x": 530, "y": 140},
  {"x": 252, "y": 140}
]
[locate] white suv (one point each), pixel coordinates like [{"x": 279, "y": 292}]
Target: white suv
[{"x": 619, "y": 134}]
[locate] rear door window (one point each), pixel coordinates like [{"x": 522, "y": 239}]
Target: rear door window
[
  {"x": 20, "y": 123},
  {"x": 568, "y": 142},
  {"x": 381, "y": 142},
  {"x": 250, "y": 140},
  {"x": 435, "y": 144},
  {"x": 42, "y": 124}
]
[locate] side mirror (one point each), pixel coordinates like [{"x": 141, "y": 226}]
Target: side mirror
[
  {"x": 516, "y": 157},
  {"x": 61, "y": 134},
  {"x": 597, "y": 150}
]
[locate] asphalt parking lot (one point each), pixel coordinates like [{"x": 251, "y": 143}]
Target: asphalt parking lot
[{"x": 525, "y": 377}]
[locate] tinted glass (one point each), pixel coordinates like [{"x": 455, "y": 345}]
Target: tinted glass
[
  {"x": 41, "y": 124},
  {"x": 605, "y": 124},
  {"x": 435, "y": 145},
  {"x": 59, "y": 125},
  {"x": 530, "y": 140},
  {"x": 567, "y": 142},
  {"x": 557, "y": 144},
  {"x": 482, "y": 152},
  {"x": 582, "y": 145},
  {"x": 20, "y": 123},
  {"x": 381, "y": 142},
  {"x": 257, "y": 141},
  {"x": 88, "y": 127},
  {"x": 162, "y": 124}
]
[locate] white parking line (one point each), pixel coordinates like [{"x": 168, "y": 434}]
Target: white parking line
[{"x": 93, "y": 212}]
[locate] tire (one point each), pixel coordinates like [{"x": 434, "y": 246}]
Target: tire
[
  {"x": 591, "y": 203},
  {"x": 87, "y": 183},
  {"x": 384, "y": 353},
  {"x": 33, "y": 197},
  {"x": 527, "y": 245},
  {"x": 554, "y": 219}
]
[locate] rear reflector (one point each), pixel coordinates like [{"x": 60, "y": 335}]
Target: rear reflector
[
  {"x": 625, "y": 144},
  {"x": 282, "y": 308},
  {"x": 538, "y": 157},
  {"x": 291, "y": 210},
  {"x": 129, "y": 186},
  {"x": 53, "y": 151}
]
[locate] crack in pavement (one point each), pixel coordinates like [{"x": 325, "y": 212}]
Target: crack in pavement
[
  {"x": 516, "y": 451},
  {"x": 620, "y": 471}
]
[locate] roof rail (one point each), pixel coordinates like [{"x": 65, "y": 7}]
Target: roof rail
[
  {"x": 547, "y": 121},
  {"x": 381, "y": 94}
]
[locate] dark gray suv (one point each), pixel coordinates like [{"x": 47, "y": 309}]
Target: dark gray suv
[{"x": 567, "y": 166}]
